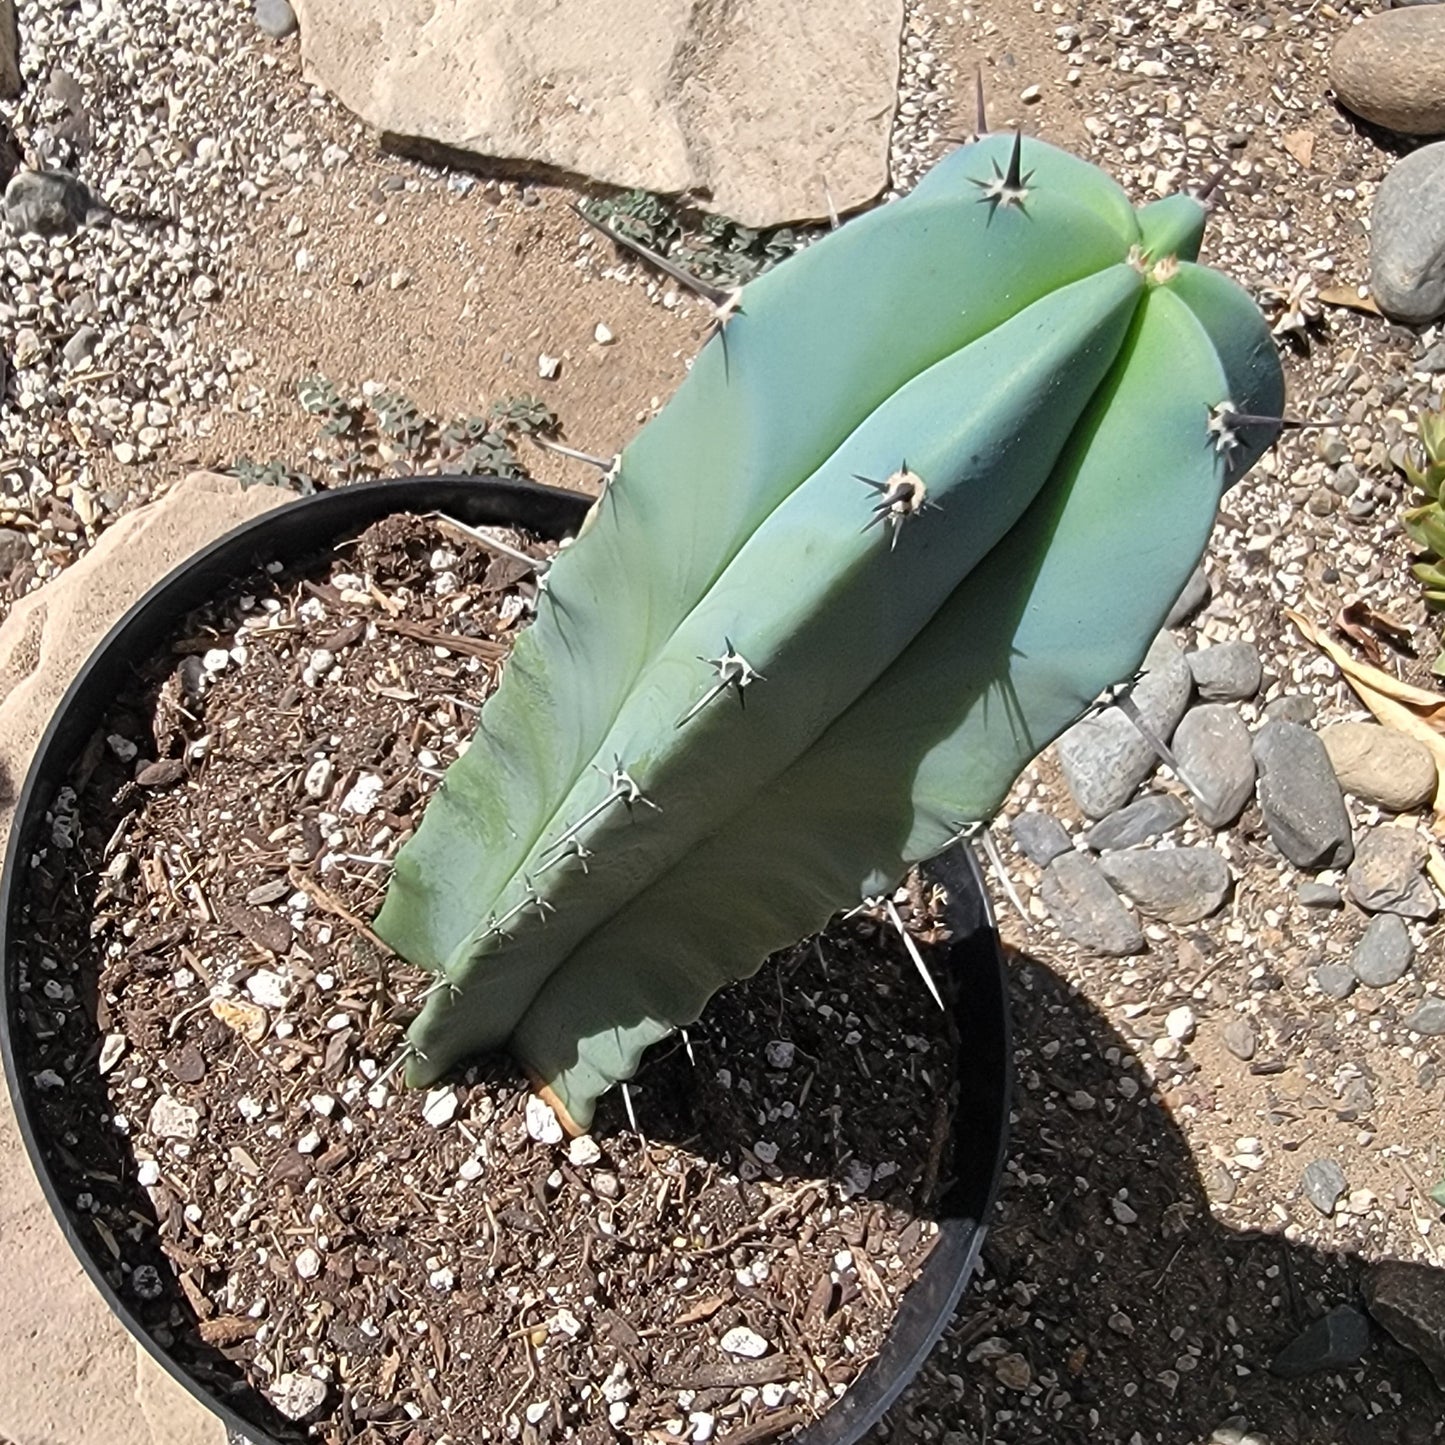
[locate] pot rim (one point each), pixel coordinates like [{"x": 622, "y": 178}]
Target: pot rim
[{"x": 289, "y": 532}]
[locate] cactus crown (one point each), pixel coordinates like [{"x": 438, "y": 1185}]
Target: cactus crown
[{"x": 932, "y": 489}]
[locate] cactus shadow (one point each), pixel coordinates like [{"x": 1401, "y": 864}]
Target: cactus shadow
[{"x": 1158, "y": 1330}]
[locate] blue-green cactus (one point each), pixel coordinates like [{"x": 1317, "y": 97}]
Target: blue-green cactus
[{"x": 932, "y": 489}]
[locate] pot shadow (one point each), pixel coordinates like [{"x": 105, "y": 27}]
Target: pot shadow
[{"x": 1158, "y": 1330}]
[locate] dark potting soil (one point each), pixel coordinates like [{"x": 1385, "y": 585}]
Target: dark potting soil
[{"x": 210, "y": 1024}]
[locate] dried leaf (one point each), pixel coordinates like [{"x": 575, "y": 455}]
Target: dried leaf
[
  {"x": 249, "y": 1020},
  {"x": 1435, "y": 867},
  {"x": 227, "y": 1330},
  {"x": 161, "y": 774},
  {"x": 704, "y": 1309},
  {"x": 1352, "y": 628},
  {"x": 1348, "y": 297},
  {"x": 1411, "y": 710},
  {"x": 1431, "y": 703},
  {"x": 1301, "y": 145}
]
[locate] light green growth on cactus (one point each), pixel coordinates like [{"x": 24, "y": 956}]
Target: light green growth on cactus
[{"x": 934, "y": 487}]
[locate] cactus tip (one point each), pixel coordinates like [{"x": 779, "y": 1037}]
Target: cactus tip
[{"x": 1009, "y": 187}]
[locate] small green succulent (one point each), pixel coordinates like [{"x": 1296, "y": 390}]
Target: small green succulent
[{"x": 1425, "y": 524}]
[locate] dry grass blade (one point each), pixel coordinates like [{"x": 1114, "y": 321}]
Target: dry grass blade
[{"x": 1414, "y": 711}]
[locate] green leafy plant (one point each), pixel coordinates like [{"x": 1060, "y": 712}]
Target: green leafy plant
[
  {"x": 933, "y": 486},
  {"x": 526, "y": 416},
  {"x": 251, "y": 473},
  {"x": 1425, "y": 524},
  {"x": 714, "y": 248},
  {"x": 398, "y": 419},
  {"x": 365, "y": 436}
]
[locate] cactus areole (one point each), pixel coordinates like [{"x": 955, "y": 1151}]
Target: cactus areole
[{"x": 933, "y": 487}]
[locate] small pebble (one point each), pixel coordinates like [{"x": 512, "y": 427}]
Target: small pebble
[
  {"x": 1332, "y": 1342},
  {"x": 779, "y": 1053},
  {"x": 746, "y": 1343},
  {"x": 1138, "y": 822},
  {"x": 1319, "y": 895},
  {"x": 1179, "y": 1024},
  {"x": 278, "y": 20},
  {"x": 1323, "y": 1181},
  {"x": 297, "y": 1396},
  {"x": 171, "y": 1119},
  {"x": 1013, "y": 1372},
  {"x": 1335, "y": 980},
  {"x": 1227, "y": 672},
  {"x": 582, "y": 1152},
  {"x": 1384, "y": 953},
  {"x": 1039, "y": 837},
  {"x": 1428, "y": 1018},
  {"x": 268, "y": 988},
  {"x": 308, "y": 1263},
  {"x": 440, "y": 1107},
  {"x": 1387, "y": 874},
  {"x": 542, "y": 1123},
  {"x": 1240, "y": 1038},
  {"x": 319, "y": 778}
]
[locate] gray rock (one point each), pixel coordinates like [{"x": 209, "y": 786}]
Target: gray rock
[
  {"x": 1387, "y": 875},
  {"x": 1300, "y": 797},
  {"x": 1383, "y": 953},
  {"x": 14, "y": 549},
  {"x": 1388, "y": 70},
  {"x": 1144, "y": 819},
  {"x": 1191, "y": 599},
  {"x": 1319, "y": 895},
  {"x": 1104, "y": 759},
  {"x": 1428, "y": 1018},
  {"x": 1293, "y": 707},
  {"x": 1217, "y": 758},
  {"x": 1228, "y": 672},
  {"x": 276, "y": 18},
  {"x": 1332, "y": 1342},
  {"x": 1335, "y": 980},
  {"x": 1086, "y": 909},
  {"x": 1240, "y": 1038},
  {"x": 1323, "y": 1181},
  {"x": 1178, "y": 885},
  {"x": 1433, "y": 358},
  {"x": 81, "y": 347},
  {"x": 1409, "y": 1301},
  {"x": 1357, "y": 1099},
  {"x": 1221, "y": 1184},
  {"x": 48, "y": 203},
  {"x": 1380, "y": 765},
  {"x": 1040, "y": 838},
  {"x": 1407, "y": 238}
]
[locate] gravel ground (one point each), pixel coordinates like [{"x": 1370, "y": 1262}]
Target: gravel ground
[{"x": 1153, "y": 1213}]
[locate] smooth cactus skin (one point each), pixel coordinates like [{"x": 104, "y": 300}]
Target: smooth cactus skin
[{"x": 933, "y": 489}]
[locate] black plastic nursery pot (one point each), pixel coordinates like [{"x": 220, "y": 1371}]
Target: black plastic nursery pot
[{"x": 306, "y": 526}]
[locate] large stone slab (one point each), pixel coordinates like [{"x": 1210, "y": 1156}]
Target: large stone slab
[
  {"x": 71, "y": 1373},
  {"x": 757, "y": 109}
]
